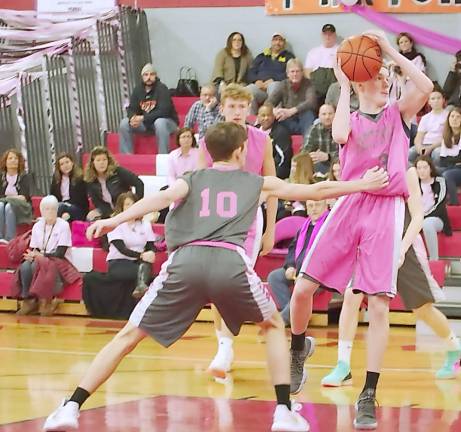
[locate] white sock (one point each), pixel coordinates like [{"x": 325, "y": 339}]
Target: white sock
[
  {"x": 226, "y": 342},
  {"x": 345, "y": 351},
  {"x": 218, "y": 335},
  {"x": 452, "y": 342}
]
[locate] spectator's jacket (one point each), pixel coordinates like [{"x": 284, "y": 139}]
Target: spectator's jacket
[
  {"x": 452, "y": 88},
  {"x": 320, "y": 138},
  {"x": 77, "y": 193},
  {"x": 439, "y": 189},
  {"x": 23, "y": 185},
  {"x": 224, "y": 68},
  {"x": 304, "y": 98},
  {"x": 264, "y": 67},
  {"x": 302, "y": 242},
  {"x": 154, "y": 104}
]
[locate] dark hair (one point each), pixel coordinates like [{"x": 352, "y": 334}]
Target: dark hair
[
  {"x": 413, "y": 53},
  {"x": 74, "y": 175},
  {"x": 428, "y": 160},
  {"x": 186, "y": 129},
  {"x": 331, "y": 174},
  {"x": 222, "y": 139},
  {"x": 449, "y": 137},
  {"x": 21, "y": 161},
  {"x": 118, "y": 208},
  {"x": 90, "y": 173},
  {"x": 229, "y": 43}
]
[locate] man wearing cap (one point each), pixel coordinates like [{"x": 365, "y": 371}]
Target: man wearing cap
[
  {"x": 268, "y": 70},
  {"x": 151, "y": 110},
  {"x": 320, "y": 60}
]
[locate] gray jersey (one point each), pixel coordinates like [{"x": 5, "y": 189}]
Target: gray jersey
[{"x": 221, "y": 206}]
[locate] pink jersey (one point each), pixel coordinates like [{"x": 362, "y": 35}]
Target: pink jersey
[
  {"x": 255, "y": 151},
  {"x": 382, "y": 142}
]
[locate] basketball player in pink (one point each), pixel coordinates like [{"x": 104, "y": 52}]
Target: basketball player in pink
[
  {"x": 363, "y": 233},
  {"x": 235, "y": 107}
]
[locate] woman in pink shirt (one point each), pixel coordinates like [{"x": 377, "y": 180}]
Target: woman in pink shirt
[{"x": 185, "y": 157}]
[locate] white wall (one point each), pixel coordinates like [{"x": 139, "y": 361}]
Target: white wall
[{"x": 193, "y": 36}]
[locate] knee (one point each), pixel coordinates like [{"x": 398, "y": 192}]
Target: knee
[
  {"x": 422, "y": 311},
  {"x": 9, "y": 209},
  {"x": 352, "y": 300},
  {"x": 304, "y": 290},
  {"x": 128, "y": 339},
  {"x": 161, "y": 125},
  {"x": 378, "y": 308},
  {"x": 274, "y": 322}
]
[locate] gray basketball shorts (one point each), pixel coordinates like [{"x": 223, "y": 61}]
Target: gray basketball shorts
[{"x": 194, "y": 276}]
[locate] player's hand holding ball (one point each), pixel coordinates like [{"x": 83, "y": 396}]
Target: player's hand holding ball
[{"x": 376, "y": 178}]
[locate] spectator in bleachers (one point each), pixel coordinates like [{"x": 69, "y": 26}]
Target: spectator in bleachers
[
  {"x": 281, "y": 139},
  {"x": 232, "y": 62},
  {"x": 46, "y": 263},
  {"x": 452, "y": 86},
  {"x": 185, "y": 157},
  {"x": 268, "y": 70},
  {"x": 295, "y": 100},
  {"x": 281, "y": 280},
  {"x": 430, "y": 130},
  {"x": 15, "y": 193},
  {"x": 151, "y": 110},
  {"x": 335, "y": 171},
  {"x": 333, "y": 93},
  {"x": 319, "y": 140},
  {"x": 204, "y": 112},
  {"x": 434, "y": 193},
  {"x": 320, "y": 60},
  {"x": 69, "y": 188},
  {"x": 106, "y": 181},
  {"x": 450, "y": 156},
  {"x": 130, "y": 258}
]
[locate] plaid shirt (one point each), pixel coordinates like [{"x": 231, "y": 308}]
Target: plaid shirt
[
  {"x": 320, "y": 138},
  {"x": 198, "y": 114}
]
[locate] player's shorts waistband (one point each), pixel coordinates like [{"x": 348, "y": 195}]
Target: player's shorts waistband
[{"x": 218, "y": 244}]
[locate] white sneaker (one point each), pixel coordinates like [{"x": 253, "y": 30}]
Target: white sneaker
[
  {"x": 64, "y": 418},
  {"x": 288, "y": 421},
  {"x": 222, "y": 363}
]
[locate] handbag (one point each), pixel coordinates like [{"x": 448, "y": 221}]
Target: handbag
[{"x": 187, "y": 83}]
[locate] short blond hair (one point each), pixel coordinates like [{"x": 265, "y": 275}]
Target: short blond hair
[
  {"x": 237, "y": 92},
  {"x": 295, "y": 62}
]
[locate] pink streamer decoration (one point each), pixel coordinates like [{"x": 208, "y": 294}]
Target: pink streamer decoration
[{"x": 421, "y": 35}]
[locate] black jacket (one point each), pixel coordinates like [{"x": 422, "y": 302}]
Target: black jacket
[
  {"x": 439, "y": 189},
  {"x": 290, "y": 260},
  {"x": 452, "y": 88},
  {"x": 23, "y": 185},
  {"x": 153, "y": 104},
  {"x": 77, "y": 193},
  {"x": 122, "y": 181}
]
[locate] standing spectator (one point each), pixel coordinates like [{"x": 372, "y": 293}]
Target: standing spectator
[
  {"x": 332, "y": 97},
  {"x": 204, "y": 112},
  {"x": 185, "y": 157},
  {"x": 319, "y": 140},
  {"x": 295, "y": 100},
  {"x": 106, "y": 181},
  {"x": 69, "y": 188},
  {"x": 151, "y": 110},
  {"x": 15, "y": 192},
  {"x": 452, "y": 86},
  {"x": 268, "y": 70},
  {"x": 232, "y": 62},
  {"x": 434, "y": 194},
  {"x": 320, "y": 60},
  {"x": 281, "y": 139},
  {"x": 450, "y": 156},
  {"x": 430, "y": 130}
]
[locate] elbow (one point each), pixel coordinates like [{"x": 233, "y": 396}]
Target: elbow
[
  {"x": 428, "y": 86},
  {"x": 340, "y": 138}
]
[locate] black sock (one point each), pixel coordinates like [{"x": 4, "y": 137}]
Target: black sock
[
  {"x": 80, "y": 396},
  {"x": 371, "y": 381},
  {"x": 298, "y": 341},
  {"x": 282, "y": 391}
]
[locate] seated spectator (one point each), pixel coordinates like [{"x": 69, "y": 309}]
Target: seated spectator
[
  {"x": 281, "y": 140},
  {"x": 452, "y": 86},
  {"x": 450, "y": 157},
  {"x": 430, "y": 130},
  {"x": 434, "y": 193},
  {"x": 334, "y": 175},
  {"x": 106, "y": 181},
  {"x": 69, "y": 188},
  {"x": 130, "y": 258},
  {"x": 232, "y": 62},
  {"x": 332, "y": 97},
  {"x": 151, "y": 110},
  {"x": 46, "y": 265},
  {"x": 320, "y": 60},
  {"x": 295, "y": 100},
  {"x": 281, "y": 280},
  {"x": 184, "y": 158},
  {"x": 204, "y": 112},
  {"x": 268, "y": 70},
  {"x": 319, "y": 140},
  {"x": 15, "y": 192}
]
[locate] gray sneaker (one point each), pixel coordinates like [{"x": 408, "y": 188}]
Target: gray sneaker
[
  {"x": 365, "y": 411},
  {"x": 298, "y": 371}
]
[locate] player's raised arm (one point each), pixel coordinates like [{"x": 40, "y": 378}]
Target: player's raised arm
[
  {"x": 341, "y": 122},
  {"x": 374, "y": 179}
]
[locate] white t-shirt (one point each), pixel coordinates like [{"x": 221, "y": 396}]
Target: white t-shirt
[
  {"x": 432, "y": 124},
  {"x": 47, "y": 238},
  {"x": 454, "y": 151},
  {"x": 428, "y": 196},
  {"x": 321, "y": 57}
]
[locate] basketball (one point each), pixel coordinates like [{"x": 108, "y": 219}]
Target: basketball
[{"x": 361, "y": 58}]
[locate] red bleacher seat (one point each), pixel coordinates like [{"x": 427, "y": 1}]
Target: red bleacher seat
[
  {"x": 297, "y": 142},
  {"x": 183, "y": 104},
  {"x": 159, "y": 229},
  {"x": 4, "y": 260},
  {"x": 265, "y": 264},
  {"x": 454, "y": 214},
  {"x": 36, "y": 205},
  {"x": 112, "y": 142},
  {"x": 6, "y": 280},
  {"x": 396, "y": 304},
  {"x": 438, "y": 269},
  {"x": 450, "y": 246},
  {"x": 72, "y": 291},
  {"x": 143, "y": 143}
]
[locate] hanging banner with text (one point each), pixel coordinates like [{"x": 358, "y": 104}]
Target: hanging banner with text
[
  {"x": 291, "y": 7},
  {"x": 66, "y": 6}
]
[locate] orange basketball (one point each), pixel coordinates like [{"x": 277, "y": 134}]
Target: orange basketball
[{"x": 361, "y": 58}]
